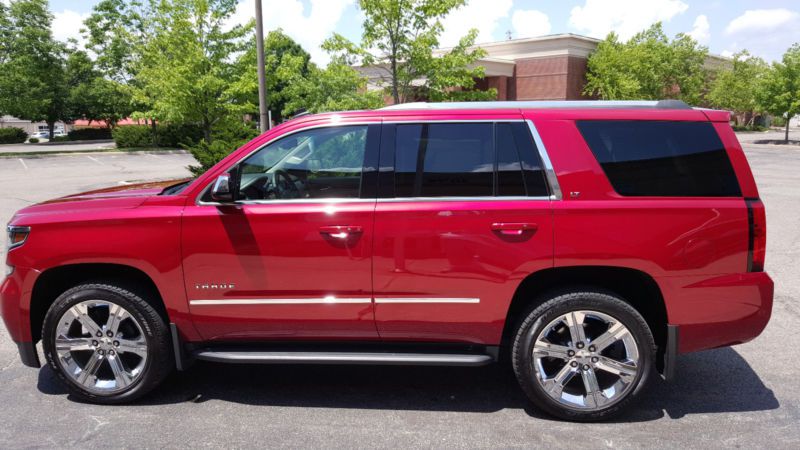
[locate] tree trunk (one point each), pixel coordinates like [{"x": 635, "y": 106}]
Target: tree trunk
[
  {"x": 154, "y": 131},
  {"x": 207, "y": 130},
  {"x": 786, "y": 137},
  {"x": 52, "y": 125},
  {"x": 395, "y": 93}
]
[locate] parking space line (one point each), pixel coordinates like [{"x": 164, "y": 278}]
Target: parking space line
[
  {"x": 96, "y": 160},
  {"x": 23, "y": 164}
]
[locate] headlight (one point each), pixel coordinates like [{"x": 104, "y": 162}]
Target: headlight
[{"x": 16, "y": 236}]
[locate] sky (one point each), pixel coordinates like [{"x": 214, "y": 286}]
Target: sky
[{"x": 765, "y": 27}]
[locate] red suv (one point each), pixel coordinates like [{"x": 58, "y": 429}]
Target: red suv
[{"x": 589, "y": 243}]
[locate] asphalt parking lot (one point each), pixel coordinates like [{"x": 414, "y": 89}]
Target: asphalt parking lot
[{"x": 746, "y": 396}]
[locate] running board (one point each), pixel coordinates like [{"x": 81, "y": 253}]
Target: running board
[{"x": 411, "y": 359}]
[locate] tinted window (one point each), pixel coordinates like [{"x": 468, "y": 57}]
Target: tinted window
[
  {"x": 510, "y": 181},
  {"x": 320, "y": 163},
  {"x": 535, "y": 182},
  {"x": 465, "y": 160},
  {"x": 453, "y": 160},
  {"x": 685, "y": 159}
]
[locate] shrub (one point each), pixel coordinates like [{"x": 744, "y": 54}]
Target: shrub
[
  {"x": 133, "y": 136},
  {"x": 33, "y": 140},
  {"x": 178, "y": 135},
  {"x": 12, "y": 135},
  {"x": 167, "y": 135},
  {"x": 60, "y": 139},
  {"x": 749, "y": 128},
  {"x": 226, "y": 138},
  {"x": 89, "y": 134}
]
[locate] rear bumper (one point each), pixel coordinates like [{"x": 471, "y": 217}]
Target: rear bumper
[{"x": 717, "y": 311}]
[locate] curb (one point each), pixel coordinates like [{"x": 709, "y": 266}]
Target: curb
[{"x": 84, "y": 152}]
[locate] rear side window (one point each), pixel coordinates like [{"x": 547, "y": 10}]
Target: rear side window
[
  {"x": 658, "y": 158},
  {"x": 466, "y": 160},
  {"x": 451, "y": 159}
]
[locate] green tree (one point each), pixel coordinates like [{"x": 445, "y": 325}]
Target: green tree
[
  {"x": 186, "y": 67},
  {"x": 116, "y": 31},
  {"x": 648, "y": 66},
  {"x": 734, "y": 88},
  {"x": 32, "y": 80},
  {"x": 5, "y": 45},
  {"x": 5, "y": 33},
  {"x": 284, "y": 62},
  {"x": 779, "y": 93},
  {"x": 92, "y": 96},
  {"x": 338, "y": 87},
  {"x": 400, "y": 38}
]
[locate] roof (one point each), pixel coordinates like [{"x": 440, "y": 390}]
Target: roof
[{"x": 565, "y": 104}]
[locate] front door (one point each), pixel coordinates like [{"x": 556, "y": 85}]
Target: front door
[
  {"x": 292, "y": 259},
  {"x": 464, "y": 216}
]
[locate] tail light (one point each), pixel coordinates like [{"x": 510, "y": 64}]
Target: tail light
[{"x": 757, "y": 243}]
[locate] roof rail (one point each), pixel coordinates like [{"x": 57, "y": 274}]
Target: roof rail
[{"x": 644, "y": 104}]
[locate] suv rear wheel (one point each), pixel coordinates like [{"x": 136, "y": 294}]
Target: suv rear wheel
[
  {"x": 107, "y": 344},
  {"x": 583, "y": 356}
]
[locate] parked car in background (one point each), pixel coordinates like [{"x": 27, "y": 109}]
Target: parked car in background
[{"x": 588, "y": 243}]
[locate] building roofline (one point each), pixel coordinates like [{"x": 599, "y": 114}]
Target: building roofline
[{"x": 547, "y": 37}]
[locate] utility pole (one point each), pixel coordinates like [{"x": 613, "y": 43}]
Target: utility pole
[{"x": 262, "y": 80}]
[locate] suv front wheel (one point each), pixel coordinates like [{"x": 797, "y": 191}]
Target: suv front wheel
[
  {"x": 107, "y": 344},
  {"x": 583, "y": 355}
]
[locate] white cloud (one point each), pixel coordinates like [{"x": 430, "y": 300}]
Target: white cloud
[
  {"x": 67, "y": 24},
  {"x": 757, "y": 20},
  {"x": 528, "y": 23},
  {"x": 701, "y": 29},
  {"x": 625, "y": 17},
  {"x": 308, "y": 27},
  {"x": 727, "y": 54},
  {"x": 766, "y": 32},
  {"x": 484, "y": 15}
]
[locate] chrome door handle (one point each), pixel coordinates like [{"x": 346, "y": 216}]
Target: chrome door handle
[
  {"x": 340, "y": 231},
  {"x": 514, "y": 229}
]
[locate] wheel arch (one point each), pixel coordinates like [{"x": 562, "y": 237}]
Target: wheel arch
[
  {"x": 56, "y": 280},
  {"x": 635, "y": 287}
]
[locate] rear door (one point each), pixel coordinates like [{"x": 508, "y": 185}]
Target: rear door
[{"x": 463, "y": 216}]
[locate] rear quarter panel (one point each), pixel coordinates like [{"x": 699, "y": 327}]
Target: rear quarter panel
[{"x": 694, "y": 248}]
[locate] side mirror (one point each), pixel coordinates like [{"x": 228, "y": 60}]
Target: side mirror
[{"x": 222, "y": 191}]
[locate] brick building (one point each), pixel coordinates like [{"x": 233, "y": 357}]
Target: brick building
[{"x": 540, "y": 68}]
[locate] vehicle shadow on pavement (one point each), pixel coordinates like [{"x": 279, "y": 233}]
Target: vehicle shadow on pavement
[{"x": 716, "y": 381}]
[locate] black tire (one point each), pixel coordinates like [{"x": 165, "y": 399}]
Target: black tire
[
  {"x": 159, "y": 361},
  {"x": 551, "y": 309}
]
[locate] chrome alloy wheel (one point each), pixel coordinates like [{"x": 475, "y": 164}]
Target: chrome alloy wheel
[
  {"x": 586, "y": 360},
  {"x": 101, "y": 346}
]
